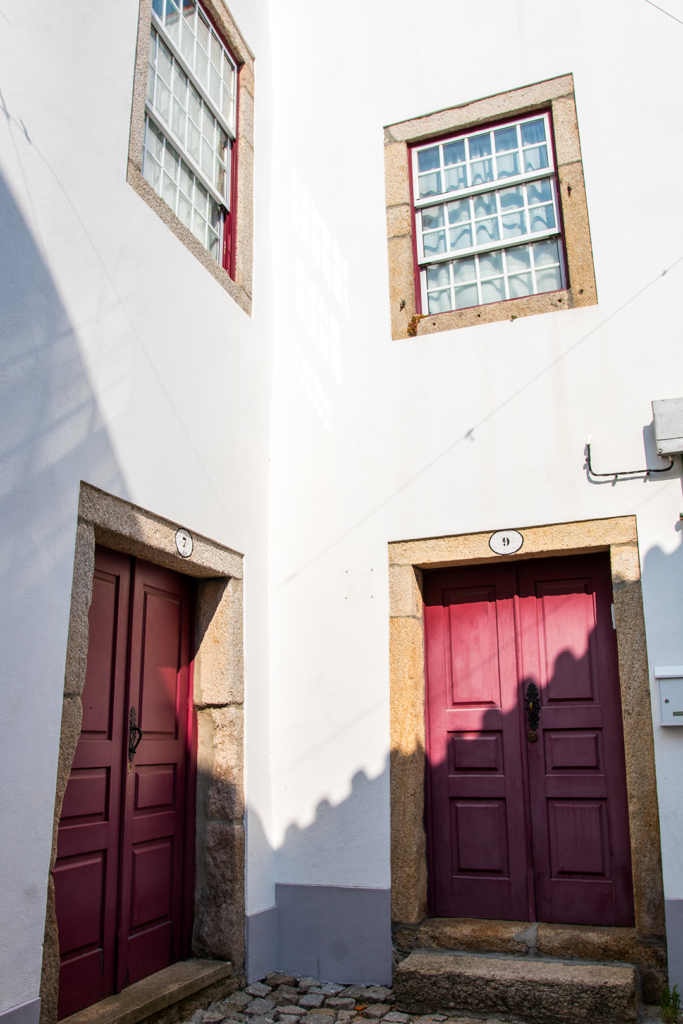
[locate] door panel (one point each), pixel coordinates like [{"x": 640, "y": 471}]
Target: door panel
[
  {"x": 577, "y": 772},
  {"x": 519, "y": 829},
  {"x": 86, "y": 871},
  {"x": 475, "y": 805},
  {"x": 152, "y": 857}
]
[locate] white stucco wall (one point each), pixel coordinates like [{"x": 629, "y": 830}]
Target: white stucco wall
[
  {"x": 123, "y": 364},
  {"x": 481, "y": 428}
]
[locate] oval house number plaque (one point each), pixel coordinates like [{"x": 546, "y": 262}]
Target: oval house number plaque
[
  {"x": 184, "y": 543},
  {"x": 506, "y": 542}
]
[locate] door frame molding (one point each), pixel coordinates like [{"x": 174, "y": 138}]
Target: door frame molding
[
  {"x": 217, "y": 687},
  {"x": 407, "y": 561}
]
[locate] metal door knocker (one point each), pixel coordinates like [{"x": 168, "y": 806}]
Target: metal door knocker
[{"x": 533, "y": 710}]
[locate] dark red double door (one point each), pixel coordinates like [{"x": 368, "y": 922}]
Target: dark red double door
[
  {"x": 521, "y": 829},
  {"x": 124, "y": 856}
]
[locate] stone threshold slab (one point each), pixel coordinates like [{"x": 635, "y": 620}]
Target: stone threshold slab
[
  {"x": 153, "y": 994},
  {"x": 542, "y": 991}
]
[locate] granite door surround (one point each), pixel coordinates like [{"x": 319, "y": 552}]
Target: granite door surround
[
  {"x": 218, "y": 696},
  {"x": 645, "y": 944}
]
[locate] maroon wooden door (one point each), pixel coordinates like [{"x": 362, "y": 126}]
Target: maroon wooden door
[
  {"x": 87, "y": 867},
  {"x": 520, "y": 829},
  {"x": 123, "y": 876}
]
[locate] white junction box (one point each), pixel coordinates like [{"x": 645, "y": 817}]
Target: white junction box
[
  {"x": 670, "y": 678},
  {"x": 668, "y": 417}
]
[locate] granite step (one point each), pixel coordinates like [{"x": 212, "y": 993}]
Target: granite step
[{"x": 540, "y": 990}]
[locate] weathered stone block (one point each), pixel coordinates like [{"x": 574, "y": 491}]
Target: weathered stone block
[{"x": 539, "y": 990}]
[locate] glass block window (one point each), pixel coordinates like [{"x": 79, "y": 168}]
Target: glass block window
[
  {"x": 190, "y": 119},
  {"x": 477, "y": 197}
]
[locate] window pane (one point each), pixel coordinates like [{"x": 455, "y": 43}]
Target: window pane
[
  {"x": 464, "y": 270},
  {"x": 158, "y": 8},
  {"x": 461, "y": 237},
  {"x": 172, "y": 19},
  {"x": 180, "y": 85},
  {"x": 545, "y": 252},
  {"x": 432, "y": 218},
  {"x": 480, "y": 145},
  {"x": 168, "y": 190},
  {"x": 185, "y": 211},
  {"x": 539, "y": 191},
  {"x": 187, "y": 36},
  {"x": 164, "y": 63},
  {"x": 506, "y": 139},
  {"x": 228, "y": 72},
  {"x": 533, "y": 132},
  {"x": 163, "y": 99},
  {"x": 454, "y": 152},
  {"x": 178, "y": 121},
  {"x": 193, "y": 139},
  {"x": 203, "y": 32},
  {"x": 150, "y": 83},
  {"x": 491, "y": 264},
  {"x": 439, "y": 276},
  {"x": 487, "y": 231},
  {"x": 154, "y": 141},
  {"x": 481, "y": 171},
  {"x": 434, "y": 243},
  {"x": 201, "y": 66},
  {"x": 430, "y": 184},
  {"x": 214, "y": 246},
  {"x": 518, "y": 258},
  {"x": 428, "y": 159},
  {"x": 186, "y": 179},
  {"x": 439, "y": 302},
  {"x": 199, "y": 228},
  {"x": 485, "y": 204},
  {"x": 216, "y": 51},
  {"x": 466, "y": 296},
  {"x": 542, "y": 218},
  {"x": 535, "y": 159},
  {"x": 514, "y": 224},
  {"x": 171, "y": 161},
  {"x": 226, "y": 105},
  {"x": 195, "y": 106},
  {"x": 493, "y": 291},
  {"x": 458, "y": 212},
  {"x": 548, "y": 280},
  {"x": 214, "y": 85},
  {"x": 152, "y": 171},
  {"x": 507, "y": 165},
  {"x": 456, "y": 177},
  {"x": 520, "y": 285},
  {"x": 511, "y": 199}
]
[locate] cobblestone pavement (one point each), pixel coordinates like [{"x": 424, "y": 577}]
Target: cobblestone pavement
[{"x": 285, "y": 999}]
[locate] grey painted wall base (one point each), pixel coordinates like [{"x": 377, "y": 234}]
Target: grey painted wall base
[
  {"x": 25, "y": 1013},
  {"x": 674, "y": 941},
  {"x": 261, "y": 937},
  {"x": 334, "y": 933}
]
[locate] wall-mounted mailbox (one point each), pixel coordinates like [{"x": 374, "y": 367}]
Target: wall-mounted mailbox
[
  {"x": 670, "y": 679},
  {"x": 668, "y": 417}
]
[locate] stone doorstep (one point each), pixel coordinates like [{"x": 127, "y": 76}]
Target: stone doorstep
[
  {"x": 156, "y": 993},
  {"x": 543, "y": 990}
]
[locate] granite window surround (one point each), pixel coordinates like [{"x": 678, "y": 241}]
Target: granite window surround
[
  {"x": 239, "y": 286},
  {"x": 554, "y": 96}
]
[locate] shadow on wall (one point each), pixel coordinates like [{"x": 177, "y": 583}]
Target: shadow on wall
[
  {"x": 335, "y": 933},
  {"x": 51, "y": 436}
]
